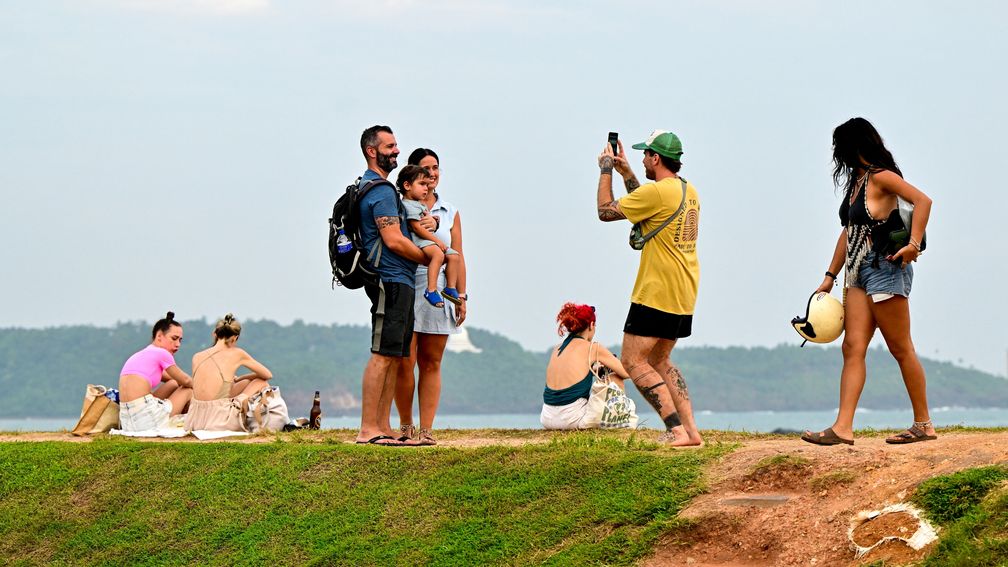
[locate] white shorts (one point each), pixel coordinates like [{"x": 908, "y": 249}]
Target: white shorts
[
  {"x": 570, "y": 416},
  {"x": 144, "y": 414}
]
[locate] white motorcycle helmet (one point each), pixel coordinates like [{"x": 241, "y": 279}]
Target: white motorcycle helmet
[{"x": 823, "y": 320}]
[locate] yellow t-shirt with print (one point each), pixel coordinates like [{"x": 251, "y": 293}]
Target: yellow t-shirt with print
[{"x": 669, "y": 272}]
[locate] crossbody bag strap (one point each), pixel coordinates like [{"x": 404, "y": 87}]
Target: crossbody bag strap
[{"x": 682, "y": 205}]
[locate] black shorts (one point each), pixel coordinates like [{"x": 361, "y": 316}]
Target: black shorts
[
  {"x": 645, "y": 321},
  {"x": 391, "y": 318}
]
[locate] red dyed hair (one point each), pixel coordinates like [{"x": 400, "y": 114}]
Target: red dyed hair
[{"x": 575, "y": 318}]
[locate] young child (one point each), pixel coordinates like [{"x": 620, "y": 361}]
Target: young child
[{"x": 412, "y": 183}]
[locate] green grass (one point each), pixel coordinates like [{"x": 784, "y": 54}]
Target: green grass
[
  {"x": 777, "y": 462},
  {"x": 832, "y": 478},
  {"x": 586, "y": 498},
  {"x": 972, "y": 508}
]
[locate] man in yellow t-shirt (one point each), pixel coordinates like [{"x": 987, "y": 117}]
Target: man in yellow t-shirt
[{"x": 661, "y": 306}]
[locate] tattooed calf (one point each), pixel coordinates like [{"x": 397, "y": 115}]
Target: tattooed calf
[
  {"x": 671, "y": 420},
  {"x": 652, "y": 397},
  {"x": 679, "y": 381}
]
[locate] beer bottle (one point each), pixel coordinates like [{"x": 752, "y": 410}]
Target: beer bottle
[{"x": 315, "y": 417}]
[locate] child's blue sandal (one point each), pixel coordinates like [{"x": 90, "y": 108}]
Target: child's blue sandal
[
  {"x": 452, "y": 294},
  {"x": 434, "y": 298}
]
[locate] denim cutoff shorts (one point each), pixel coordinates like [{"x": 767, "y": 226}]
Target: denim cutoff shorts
[{"x": 886, "y": 278}]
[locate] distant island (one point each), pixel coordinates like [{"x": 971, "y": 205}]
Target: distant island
[{"x": 43, "y": 372}]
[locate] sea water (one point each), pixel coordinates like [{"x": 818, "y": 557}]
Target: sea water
[{"x": 754, "y": 421}]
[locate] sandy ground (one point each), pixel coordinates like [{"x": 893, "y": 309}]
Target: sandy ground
[
  {"x": 810, "y": 527},
  {"x": 791, "y": 514}
]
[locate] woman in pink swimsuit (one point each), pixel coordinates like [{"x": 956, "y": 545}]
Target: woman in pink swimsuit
[{"x": 146, "y": 403}]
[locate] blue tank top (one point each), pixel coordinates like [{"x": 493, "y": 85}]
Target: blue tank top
[{"x": 571, "y": 393}]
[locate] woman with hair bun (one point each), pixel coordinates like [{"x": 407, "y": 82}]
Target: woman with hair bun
[
  {"x": 152, "y": 388},
  {"x": 569, "y": 373},
  {"x": 217, "y": 393}
]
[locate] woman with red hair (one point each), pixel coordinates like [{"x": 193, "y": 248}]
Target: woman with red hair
[{"x": 569, "y": 375}]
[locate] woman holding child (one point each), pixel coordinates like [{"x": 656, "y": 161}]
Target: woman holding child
[
  {"x": 218, "y": 394},
  {"x": 435, "y": 320},
  {"x": 152, "y": 388},
  {"x": 570, "y": 374}
]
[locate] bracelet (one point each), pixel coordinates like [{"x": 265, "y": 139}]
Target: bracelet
[
  {"x": 830, "y": 274},
  {"x": 606, "y": 170},
  {"x": 915, "y": 244}
]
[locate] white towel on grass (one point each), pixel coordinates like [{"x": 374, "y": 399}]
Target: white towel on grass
[
  {"x": 204, "y": 434},
  {"x": 162, "y": 432}
]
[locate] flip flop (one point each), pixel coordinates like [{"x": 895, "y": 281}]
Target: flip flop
[
  {"x": 911, "y": 435},
  {"x": 826, "y": 437},
  {"x": 375, "y": 441}
]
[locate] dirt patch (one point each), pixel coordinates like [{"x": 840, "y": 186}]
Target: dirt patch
[
  {"x": 895, "y": 552},
  {"x": 779, "y": 472},
  {"x": 894, "y": 524},
  {"x": 811, "y": 527}
]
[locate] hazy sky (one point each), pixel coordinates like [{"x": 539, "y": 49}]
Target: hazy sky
[{"x": 185, "y": 155}]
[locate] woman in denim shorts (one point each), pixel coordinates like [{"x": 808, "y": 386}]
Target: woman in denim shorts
[{"x": 877, "y": 275}]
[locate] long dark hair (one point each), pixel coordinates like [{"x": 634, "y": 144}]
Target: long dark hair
[
  {"x": 420, "y": 153},
  {"x": 854, "y": 141},
  {"x": 163, "y": 325}
]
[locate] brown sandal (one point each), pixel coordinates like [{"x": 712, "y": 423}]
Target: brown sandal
[
  {"x": 826, "y": 437},
  {"x": 912, "y": 435},
  {"x": 426, "y": 437}
]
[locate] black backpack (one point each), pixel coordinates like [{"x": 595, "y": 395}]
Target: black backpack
[{"x": 355, "y": 267}]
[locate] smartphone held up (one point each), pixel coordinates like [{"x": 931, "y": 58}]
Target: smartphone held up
[{"x": 614, "y": 142}]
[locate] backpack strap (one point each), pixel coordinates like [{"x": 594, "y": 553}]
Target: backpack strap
[
  {"x": 374, "y": 256},
  {"x": 369, "y": 185},
  {"x": 682, "y": 205}
]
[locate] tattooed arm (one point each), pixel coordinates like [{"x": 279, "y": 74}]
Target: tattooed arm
[
  {"x": 622, "y": 167},
  {"x": 608, "y": 207},
  {"x": 392, "y": 236},
  {"x": 631, "y": 183}
]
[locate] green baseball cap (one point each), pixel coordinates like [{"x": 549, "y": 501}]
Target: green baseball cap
[{"x": 663, "y": 143}]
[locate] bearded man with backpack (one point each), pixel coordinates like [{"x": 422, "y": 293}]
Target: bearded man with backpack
[{"x": 382, "y": 227}]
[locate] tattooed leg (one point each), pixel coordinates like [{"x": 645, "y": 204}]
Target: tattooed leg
[
  {"x": 671, "y": 420},
  {"x": 687, "y": 434},
  {"x": 678, "y": 382},
  {"x": 650, "y": 394}
]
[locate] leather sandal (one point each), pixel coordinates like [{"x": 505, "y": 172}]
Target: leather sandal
[
  {"x": 426, "y": 437},
  {"x": 825, "y": 437},
  {"x": 408, "y": 432},
  {"x": 913, "y": 434}
]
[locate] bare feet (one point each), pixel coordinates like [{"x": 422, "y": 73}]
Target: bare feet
[{"x": 678, "y": 437}]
